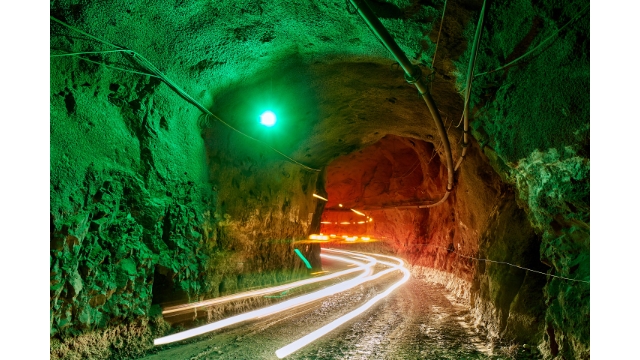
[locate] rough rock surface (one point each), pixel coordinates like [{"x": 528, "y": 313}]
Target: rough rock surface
[
  {"x": 152, "y": 203},
  {"x": 482, "y": 220}
]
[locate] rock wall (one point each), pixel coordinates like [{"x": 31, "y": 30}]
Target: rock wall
[
  {"x": 532, "y": 122},
  {"x": 150, "y": 207},
  {"x": 482, "y": 220}
]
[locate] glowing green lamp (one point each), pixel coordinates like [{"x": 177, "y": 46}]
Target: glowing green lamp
[{"x": 268, "y": 118}]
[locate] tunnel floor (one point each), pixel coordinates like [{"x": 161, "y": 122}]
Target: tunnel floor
[{"x": 420, "y": 320}]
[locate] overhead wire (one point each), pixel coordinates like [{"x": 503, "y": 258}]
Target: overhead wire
[
  {"x": 580, "y": 13},
  {"x": 435, "y": 52},
  {"x": 471, "y": 76},
  {"x": 444, "y": 9},
  {"x": 115, "y": 67},
  {"x": 506, "y": 263},
  {"x": 472, "y": 66},
  {"x": 145, "y": 63},
  {"x": 88, "y": 52},
  {"x": 413, "y": 75}
]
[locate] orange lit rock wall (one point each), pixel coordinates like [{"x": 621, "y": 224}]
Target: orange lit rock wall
[{"x": 388, "y": 180}]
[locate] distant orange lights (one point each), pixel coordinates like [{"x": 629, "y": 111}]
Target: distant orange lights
[
  {"x": 333, "y": 238},
  {"x": 347, "y": 222},
  {"x": 321, "y": 238}
]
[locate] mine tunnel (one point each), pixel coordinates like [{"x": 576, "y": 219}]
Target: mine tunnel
[{"x": 230, "y": 179}]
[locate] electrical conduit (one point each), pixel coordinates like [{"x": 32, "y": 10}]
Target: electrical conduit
[
  {"x": 472, "y": 63},
  {"x": 413, "y": 76}
]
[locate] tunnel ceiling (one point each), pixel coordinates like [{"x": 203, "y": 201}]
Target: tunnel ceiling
[
  {"x": 334, "y": 84},
  {"x": 393, "y": 171}
]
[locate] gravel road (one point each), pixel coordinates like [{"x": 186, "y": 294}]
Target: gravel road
[{"x": 418, "y": 321}]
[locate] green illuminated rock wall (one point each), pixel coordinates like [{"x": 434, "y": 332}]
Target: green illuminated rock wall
[
  {"x": 147, "y": 208},
  {"x": 129, "y": 197},
  {"x": 532, "y": 122}
]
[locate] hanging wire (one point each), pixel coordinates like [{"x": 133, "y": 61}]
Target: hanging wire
[
  {"x": 85, "y": 34},
  {"x": 116, "y": 67},
  {"x": 435, "y": 52},
  {"x": 142, "y": 61},
  {"x": 506, "y": 263},
  {"x": 88, "y": 52},
  {"x": 433, "y": 61},
  {"x": 580, "y": 13},
  {"x": 102, "y": 63}
]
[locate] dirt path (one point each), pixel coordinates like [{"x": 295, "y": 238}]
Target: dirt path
[{"x": 418, "y": 321}]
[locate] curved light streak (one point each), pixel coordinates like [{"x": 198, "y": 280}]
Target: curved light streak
[
  {"x": 309, "y": 338},
  {"x": 319, "y": 197},
  {"x": 358, "y": 212},
  {"x": 286, "y": 305},
  {"x": 270, "y": 290}
]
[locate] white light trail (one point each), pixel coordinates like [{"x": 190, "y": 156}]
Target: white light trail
[
  {"x": 358, "y": 212},
  {"x": 298, "y": 344},
  {"x": 319, "y": 197},
  {"x": 286, "y": 305},
  {"x": 270, "y": 290}
]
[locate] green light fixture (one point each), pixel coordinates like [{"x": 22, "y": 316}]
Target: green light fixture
[{"x": 268, "y": 118}]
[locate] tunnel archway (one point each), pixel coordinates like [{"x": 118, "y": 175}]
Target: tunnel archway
[
  {"x": 394, "y": 171},
  {"x": 127, "y": 148}
]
